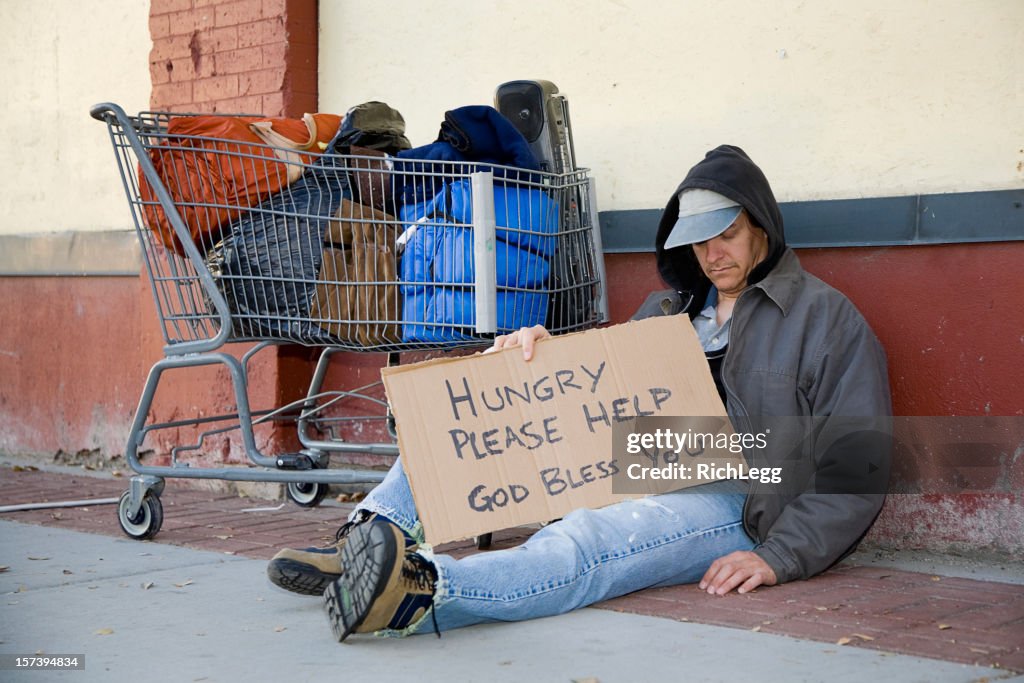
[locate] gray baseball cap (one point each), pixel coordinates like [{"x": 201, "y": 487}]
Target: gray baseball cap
[{"x": 703, "y": 214}]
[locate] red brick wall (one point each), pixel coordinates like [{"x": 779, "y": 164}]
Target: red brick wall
[{"x": 252, "y": 56}]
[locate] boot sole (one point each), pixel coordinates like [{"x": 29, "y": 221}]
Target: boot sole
[
  {"x": 368, "y": 558},
  {"x": 299, "y": 577}
]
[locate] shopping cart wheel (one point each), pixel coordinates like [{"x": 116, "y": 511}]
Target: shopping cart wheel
[
  {"x": 146, "y": 522},
  {"x": 307, "y": 495},
  {"x": 483, "y": 541}
]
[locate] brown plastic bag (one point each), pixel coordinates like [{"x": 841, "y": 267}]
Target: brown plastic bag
[{"x": 358, "y": 289}]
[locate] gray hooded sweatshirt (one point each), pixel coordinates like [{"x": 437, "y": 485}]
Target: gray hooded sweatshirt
[{"x": 802, "y": 364}]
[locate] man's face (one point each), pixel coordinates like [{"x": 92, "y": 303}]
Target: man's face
[{"x": 728, "y": 259}]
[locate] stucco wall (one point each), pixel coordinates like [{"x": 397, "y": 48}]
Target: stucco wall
[
  {"x": 59, "y": 58},
  {"x": 833, "y": 98}
]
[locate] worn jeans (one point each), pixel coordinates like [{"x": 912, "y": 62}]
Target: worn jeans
[{"x": 589, "y": 556}]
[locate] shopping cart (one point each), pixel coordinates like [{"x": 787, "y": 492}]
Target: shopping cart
[{"x": 350, "y": 253}]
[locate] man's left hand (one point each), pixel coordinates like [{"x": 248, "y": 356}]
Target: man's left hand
[{"x": 742, "y": 570}]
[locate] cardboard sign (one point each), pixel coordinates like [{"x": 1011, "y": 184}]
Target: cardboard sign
[{"x": 492, "y": 441}]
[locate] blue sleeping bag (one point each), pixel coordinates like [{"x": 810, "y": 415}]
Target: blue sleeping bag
[
  {"x": 450, "y": 314},
  {"x": 438, "y": 300}
]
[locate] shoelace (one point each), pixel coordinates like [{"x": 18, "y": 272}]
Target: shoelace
[
  {"x": 419, "y": 571},
  {"x": 344, "y": 529}
]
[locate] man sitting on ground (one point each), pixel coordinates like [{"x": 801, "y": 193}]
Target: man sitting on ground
[{"x": 779, "y": 342}]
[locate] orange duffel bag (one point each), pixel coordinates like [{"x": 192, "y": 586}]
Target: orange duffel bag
[{"x": 216, "y": 167}]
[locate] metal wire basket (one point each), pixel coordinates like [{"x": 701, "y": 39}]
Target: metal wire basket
[{"x": 248, "y": 242}]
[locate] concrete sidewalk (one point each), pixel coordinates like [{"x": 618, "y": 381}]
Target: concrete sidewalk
[{"x": 156, "y": 611}]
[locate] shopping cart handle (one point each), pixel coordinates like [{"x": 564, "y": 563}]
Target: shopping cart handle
[{"x": 100, "y": 111}]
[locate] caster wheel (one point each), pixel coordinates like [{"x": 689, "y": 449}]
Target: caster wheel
[
  {"x": 307, "y": 495},
  {"x": 483, "y": 541},
  {"x": 146, "y": 522}
]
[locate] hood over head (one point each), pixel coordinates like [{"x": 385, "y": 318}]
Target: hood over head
[{"x": 728, "y": 171}]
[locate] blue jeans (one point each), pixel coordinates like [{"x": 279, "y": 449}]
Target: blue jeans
[{"x": 589, "y": 556}]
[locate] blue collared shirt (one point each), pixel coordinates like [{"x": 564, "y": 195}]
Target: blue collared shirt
[{"x": 712, "y": 337}]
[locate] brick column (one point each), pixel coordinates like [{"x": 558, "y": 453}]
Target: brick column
[
  {"x": 248, "y": 56},
  {"x": 253, "y": 56}
]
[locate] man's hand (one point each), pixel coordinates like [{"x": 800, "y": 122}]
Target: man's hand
[
  {"x": 742, "y": 569},
  {"x": 524, "y": 336}
]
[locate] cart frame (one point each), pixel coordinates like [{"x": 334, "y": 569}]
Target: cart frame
[{"x": 306, "y": 472}]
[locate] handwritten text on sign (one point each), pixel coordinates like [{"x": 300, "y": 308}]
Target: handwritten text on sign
[
  {"x": 492, "y": 441},
  {"x": 506, "y": 398}
]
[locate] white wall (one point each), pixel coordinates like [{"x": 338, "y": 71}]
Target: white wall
[
  {"x": 832, "y": 98},
  {"x": 59, "y": 58}
]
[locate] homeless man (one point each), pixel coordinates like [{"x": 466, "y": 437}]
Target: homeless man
[{"x": 779, "y": 342}]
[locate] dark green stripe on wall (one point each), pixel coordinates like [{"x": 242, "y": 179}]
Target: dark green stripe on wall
[{"x": 995, "y": 216}]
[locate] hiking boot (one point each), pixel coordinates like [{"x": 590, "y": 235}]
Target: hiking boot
[
  {"x": 310, "y": 570},
  {"x": 384, "y": 586}
]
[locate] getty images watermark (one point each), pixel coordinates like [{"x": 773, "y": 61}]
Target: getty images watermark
[
  {"x": 661, "y": 454},
  {"x": 695, "y": 456},
  {"x": 791, "y": 455}
]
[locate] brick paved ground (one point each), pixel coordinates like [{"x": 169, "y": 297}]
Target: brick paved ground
[{"x": 953, "y": 619}]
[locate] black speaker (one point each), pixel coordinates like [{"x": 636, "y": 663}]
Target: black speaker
[
  {"x": 538, "y": 112},
  {"x": 541, "y": 114}
]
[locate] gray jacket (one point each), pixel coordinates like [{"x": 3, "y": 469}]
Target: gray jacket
[
  {"x": 800, "y": 349},
  {"x": 803, "y": 364}
]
